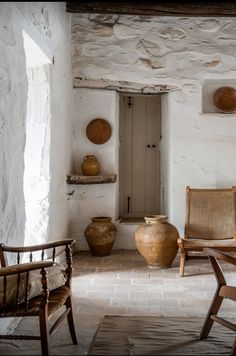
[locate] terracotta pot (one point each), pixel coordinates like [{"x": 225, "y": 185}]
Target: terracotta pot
[
  {"x": 90, "y": 166},
  {"x": 101, "y": 235},
  {"x": 156, "y": 240},
  {"x": 225, "y": 99}
]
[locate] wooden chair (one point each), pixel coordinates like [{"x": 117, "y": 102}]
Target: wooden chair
[
  {"x": 222, "y": 291},
  {"x": 210, "y": 222},
  {"x": 23, "y": 292}
]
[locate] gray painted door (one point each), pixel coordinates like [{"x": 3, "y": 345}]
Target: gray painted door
[{"x": 140, "y": 132}]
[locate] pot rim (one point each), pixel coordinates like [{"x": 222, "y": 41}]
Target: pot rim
[
  {"x": 101, "y": 218},
  {"x": 155, "y": 218}
]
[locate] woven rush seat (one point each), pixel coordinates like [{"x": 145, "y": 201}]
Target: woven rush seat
[
  {"x": 57, "y": 298},
  {"x": 200, "y": 244}
]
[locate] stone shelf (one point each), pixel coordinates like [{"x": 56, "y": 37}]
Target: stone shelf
[{"x": 100, "y": 179}]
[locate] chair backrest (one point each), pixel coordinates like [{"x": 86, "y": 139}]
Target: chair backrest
[{"x": 210, "y": 213}]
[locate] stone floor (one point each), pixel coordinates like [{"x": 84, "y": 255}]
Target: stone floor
[{"x": 122, "y": 284}]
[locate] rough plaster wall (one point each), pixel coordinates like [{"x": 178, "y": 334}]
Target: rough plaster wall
[
  {"x": 203, "y": 149},
  {"x": 87, "y": 201},
  {"x": 52, "y": 24},
  {"x": 184, "y": 52},
  {"x": 13, "y": 100},
  {"x": 61, "y": 121}
]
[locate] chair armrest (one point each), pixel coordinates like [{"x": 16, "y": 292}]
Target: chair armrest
[
  {"x": 220, "y": 255},
  {"x": 38, "y": 247},
  {"x": 25, "y": 267},
  {"x": 53, "y": 246}
]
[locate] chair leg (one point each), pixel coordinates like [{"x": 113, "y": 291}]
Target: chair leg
[
  {"x": 213, "y": 310},
  {"x": 71, "y": 322},
  {"x": 43, "y": 324},
  {"x": 182, "y": 263}
]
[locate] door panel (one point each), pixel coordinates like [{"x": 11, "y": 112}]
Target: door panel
[
  {"x": 140, "y": 125},
  {"x": 138, "y": 154},
  {"x": 152, "y": 202}
]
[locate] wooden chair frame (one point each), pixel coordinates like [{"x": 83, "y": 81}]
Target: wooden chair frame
[
  {"x": 47, "y": 303},
  {"x": 185, "y": 247},
  {"x": 222, "y": 291}
]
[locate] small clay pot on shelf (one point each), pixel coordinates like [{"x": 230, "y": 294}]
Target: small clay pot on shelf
[{"x": 90, "y": 166}]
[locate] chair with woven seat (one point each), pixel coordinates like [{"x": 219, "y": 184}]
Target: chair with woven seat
[
  {"x": 37, "y": 288},
  {"x": 210, "y": 222},
  {"x": 223, "y": 291}
]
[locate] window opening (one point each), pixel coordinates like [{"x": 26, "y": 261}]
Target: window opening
[{"x": 37, "y": 146}]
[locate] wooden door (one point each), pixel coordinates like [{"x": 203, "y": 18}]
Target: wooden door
[{"x": 140, "y": 132}]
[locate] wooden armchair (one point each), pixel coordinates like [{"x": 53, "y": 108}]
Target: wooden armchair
[
  {"x": 210, "y": 222},
  {"x": 37, "y": 288},
  {"x": 222, "y": 291}
]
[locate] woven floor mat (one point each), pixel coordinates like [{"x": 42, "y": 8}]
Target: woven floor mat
[{"x": 145, "y": 335}]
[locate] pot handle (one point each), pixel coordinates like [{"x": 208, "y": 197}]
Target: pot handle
[{"x": 90, "y": 157}]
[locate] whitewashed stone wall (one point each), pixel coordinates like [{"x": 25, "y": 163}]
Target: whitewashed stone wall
[
  {"x": 49, "y": 23},
  {"x": 152, "y": 49},
  {"x": 198, "y": 148},
  {"x": 13, "y": 87},
  {"x": 52, "y": 22}
]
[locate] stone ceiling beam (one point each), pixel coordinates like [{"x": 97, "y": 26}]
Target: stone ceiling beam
[
  {"x": 152, "y": 8},
  {"x": 122, "y": 86}
]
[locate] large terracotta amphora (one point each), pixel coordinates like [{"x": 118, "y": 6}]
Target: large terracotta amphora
[
  {"x": 156, "y": 240},
  {"x": 90, "y": 166},
  {"x": 101, "y": 235}
]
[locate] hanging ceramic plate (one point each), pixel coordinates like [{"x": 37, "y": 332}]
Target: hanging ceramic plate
[
  {"x": 98, "y": 131},
  {"x": 225, "y": 99}
]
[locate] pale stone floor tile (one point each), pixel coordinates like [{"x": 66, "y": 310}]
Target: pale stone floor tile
[
  {"x": 131, "y": 288},
  {"x": 184, "y": 294},
  {"x": 99, "y": 287},
  {"x": 101, "y": 294},
  {"x": 105, "y": 274},
  {"x": 145, "y": 295},
  {"x": 85, "y": 273},
  {"x": 163, "y": 303},
  {"x": 122, "y": 284},
  {"x": 140, "y": 281},
  {"x": 128, "y": 302},
  {"x": 109, "y": 281},
  {"x": 132, "y": 275}
]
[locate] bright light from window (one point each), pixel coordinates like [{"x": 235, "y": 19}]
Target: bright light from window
[
  {"x": 37, "y": 146},
  {"x": 34, "y": 55}
]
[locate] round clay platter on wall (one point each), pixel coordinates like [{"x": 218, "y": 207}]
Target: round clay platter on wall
[
  {"x": 225, "y": 99},
  {"x": 98, "y": 131}
]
